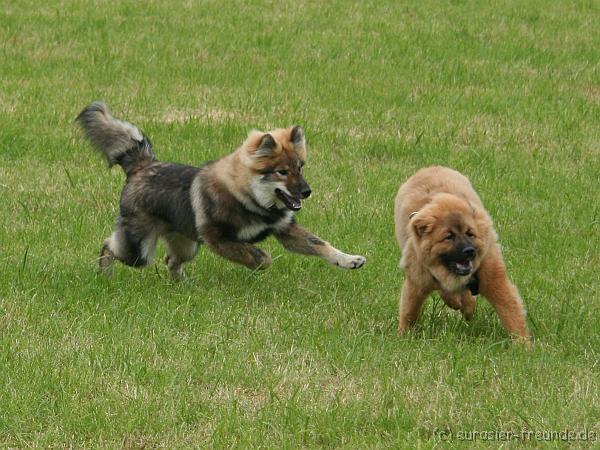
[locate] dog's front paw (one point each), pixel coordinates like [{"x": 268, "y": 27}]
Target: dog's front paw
[
  {"x": 262, "y": 260},
  {"x": 351, "y": 261}
]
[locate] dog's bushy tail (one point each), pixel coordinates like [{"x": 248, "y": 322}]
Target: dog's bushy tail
[{"x": 121, "y": 142}]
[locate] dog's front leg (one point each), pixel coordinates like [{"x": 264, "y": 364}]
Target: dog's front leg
[
  {"x": 246, "y": 254},
  {"x": 411, "y": 301},
  {"x": 298, "y": 240},
  {"x": 503, "y": 295}
]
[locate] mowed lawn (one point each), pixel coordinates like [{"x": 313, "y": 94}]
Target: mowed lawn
[{"x": 303, "y": 354}]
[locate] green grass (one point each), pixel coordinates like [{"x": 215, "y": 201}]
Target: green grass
[{"x": 304, "y": 354}]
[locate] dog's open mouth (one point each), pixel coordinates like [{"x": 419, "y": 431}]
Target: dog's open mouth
[
  {"x": 463, "y": 268},
  {"x": 290, "y": 202}
]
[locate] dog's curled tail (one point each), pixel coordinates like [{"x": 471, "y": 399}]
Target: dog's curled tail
[{"x": 121, "y": 142}]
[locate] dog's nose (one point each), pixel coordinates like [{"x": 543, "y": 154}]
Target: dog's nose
[
  {"x": 306, "y": 192},
  {"x": 469, "y": 251}
]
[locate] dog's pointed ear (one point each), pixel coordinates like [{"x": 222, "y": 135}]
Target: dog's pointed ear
[
  {"x": 420, "y": 225},
  {"x": 297, "y": 137},
  {"x": 266, "y": 146}
]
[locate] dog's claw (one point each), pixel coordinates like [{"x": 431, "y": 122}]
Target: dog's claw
[
  {"x": 358, "y": 262},
  {"x": 351, "y": 262}
]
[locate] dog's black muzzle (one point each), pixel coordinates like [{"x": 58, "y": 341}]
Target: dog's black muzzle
[
  {"x": 297, "y": 193},
  {"x": 304, "y": 189},
  {"x": 460, "y": 260}
]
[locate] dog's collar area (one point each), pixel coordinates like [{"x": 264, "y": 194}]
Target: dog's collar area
[
  {"x": 276, "y": 210},
  {"x": 473, "y": 284}
]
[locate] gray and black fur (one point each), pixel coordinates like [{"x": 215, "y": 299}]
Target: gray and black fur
[
  {"x": 187, "y": 206},
  {"x": 120, "y": 142}
]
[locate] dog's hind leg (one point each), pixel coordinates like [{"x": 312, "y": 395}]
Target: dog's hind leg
[
  {"x": 462, "y": 301},
  {"x": 180, "y": 249},
  {"x": 106, "y": 259},
  {"x": 468, "y": 302},
  {"x": 133, "y": 242},
  {"x": 452, "y": 299}
]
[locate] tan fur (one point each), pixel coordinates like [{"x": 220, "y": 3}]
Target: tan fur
[
  {"x": 433, "y": 204},
  {"x": 237, "y": 169}
]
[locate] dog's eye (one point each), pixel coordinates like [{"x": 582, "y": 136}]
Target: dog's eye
[
  {"x": 282, "y": 172},
  {"x": 449, "y": 237}
]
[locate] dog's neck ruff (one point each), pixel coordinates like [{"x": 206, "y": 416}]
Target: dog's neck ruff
[
  {"x": 251, "y": 203},
  {"x": 472, "y": 284}
]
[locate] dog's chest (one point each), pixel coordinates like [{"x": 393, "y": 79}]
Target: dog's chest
[{"x": 257, "y": 230}]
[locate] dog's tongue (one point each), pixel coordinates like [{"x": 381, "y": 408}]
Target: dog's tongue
[
  {"x": 464, "y": 267},
  {"x": 292, "y": 203}
]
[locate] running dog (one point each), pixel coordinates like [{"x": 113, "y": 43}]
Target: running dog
[{"x": 229, "y": 204}]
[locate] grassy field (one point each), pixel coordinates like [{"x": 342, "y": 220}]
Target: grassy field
[{"x": 303, "y": 354}]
